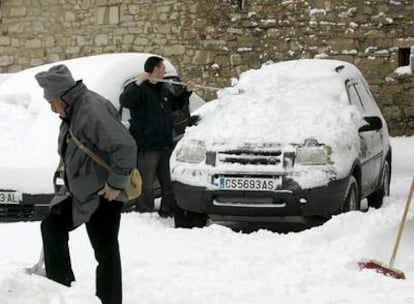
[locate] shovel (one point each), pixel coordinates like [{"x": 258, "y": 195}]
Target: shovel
[
  {"x": 383, "y": 268},
  {"x": 38, "y": 267},
  {"x": 196, "y": 85}
]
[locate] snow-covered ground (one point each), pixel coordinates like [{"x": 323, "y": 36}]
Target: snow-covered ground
[{"x": 217, "y": 265}]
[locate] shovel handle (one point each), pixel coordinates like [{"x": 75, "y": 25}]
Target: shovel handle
[
  {"x": 402, "y": 224},
  {"x": 184, "y": 84}
]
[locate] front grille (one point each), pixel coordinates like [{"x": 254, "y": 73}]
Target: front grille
[
  {"x": 32, "y": 207},
  {"x": 16, "y": 211},
  {"x": 249, "y": 157}
]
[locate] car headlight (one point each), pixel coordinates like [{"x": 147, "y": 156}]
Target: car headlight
[
  {"x": 191, "y": 152},
  {"x": 313, "y": 153}
]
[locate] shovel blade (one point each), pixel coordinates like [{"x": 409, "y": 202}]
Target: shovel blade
[{"x": 382, "y": 268}]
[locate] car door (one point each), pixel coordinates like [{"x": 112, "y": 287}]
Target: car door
[
  {"x": 377, "y": 144},
  {"x": 371, "y": 141}
]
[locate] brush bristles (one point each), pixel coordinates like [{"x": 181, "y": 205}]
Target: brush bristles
[{"x": 382, "y": 268}]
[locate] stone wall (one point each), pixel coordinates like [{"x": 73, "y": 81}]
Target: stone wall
[{"x": 212, "y": 41}]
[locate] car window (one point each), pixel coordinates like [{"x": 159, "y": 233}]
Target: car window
[
  {"x": 354, "y": 97},
  {"x": 367, "y": 99}
]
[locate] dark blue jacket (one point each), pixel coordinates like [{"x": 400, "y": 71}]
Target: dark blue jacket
[{"x": 151, "y": 107}]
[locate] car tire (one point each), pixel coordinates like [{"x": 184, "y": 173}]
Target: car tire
[
  {"x": 376, "y": 198},
  {"x": 352, "y": 199},
  {"x": 188, "y": 219}
]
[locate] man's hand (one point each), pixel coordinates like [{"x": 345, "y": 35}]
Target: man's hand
[
  {"x": 142, "y": 77},
  {"x": 109, "y": 193},
  {"x": 190, "y": 86}
]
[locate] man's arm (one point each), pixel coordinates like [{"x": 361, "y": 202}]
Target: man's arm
[
  {"x": 181, "y": 100},
  {"x": 108, "y": 134},
  {"x": 129, "y": 98}
]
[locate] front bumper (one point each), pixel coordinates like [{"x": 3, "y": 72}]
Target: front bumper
[
  {"x": 291, "y": 201},
  {"x": 31, "y": 208}
]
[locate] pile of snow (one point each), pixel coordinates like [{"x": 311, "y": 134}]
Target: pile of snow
[
  {"x": 283, "y": 102},
  {"x": 404, "y": 70}
]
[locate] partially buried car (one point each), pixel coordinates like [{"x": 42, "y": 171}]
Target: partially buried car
[
  {"x": 292, "y": 141},
  {"x": 28, "y": 157}
]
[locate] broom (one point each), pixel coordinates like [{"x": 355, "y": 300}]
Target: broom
[{"x": 383, "y": 268}]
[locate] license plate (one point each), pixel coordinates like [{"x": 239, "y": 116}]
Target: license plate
[
  {"x": 248, "y": 183},
  {"x": 10, "y": 197}
]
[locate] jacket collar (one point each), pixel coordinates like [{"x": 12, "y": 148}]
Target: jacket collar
[{"x": 71, "y": 96}]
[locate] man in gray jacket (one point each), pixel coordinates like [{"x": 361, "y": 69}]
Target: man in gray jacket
[{"x": 91, "y": 194}]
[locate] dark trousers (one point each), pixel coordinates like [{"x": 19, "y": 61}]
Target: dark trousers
[
  {"x": 153, "y": 164},
  {"x": 102, "y": 229}
]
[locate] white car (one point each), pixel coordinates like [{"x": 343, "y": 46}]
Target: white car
[
  {"x": 293, "y": 141},
  {"x": 4, "y": 76},
  {"x": 29, "y": 129}
]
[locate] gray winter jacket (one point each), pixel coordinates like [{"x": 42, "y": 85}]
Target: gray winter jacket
[{"x": 94, "y": 121}]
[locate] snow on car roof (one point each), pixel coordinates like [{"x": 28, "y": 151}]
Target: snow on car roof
[
  {"x": 29, "y": 129},
  {"x": 284, "y": 103}
]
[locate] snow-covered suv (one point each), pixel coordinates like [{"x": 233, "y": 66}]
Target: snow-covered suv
[{"x": 304, "y": 139}]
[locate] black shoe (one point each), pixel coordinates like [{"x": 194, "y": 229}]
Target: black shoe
[
  {"x": 164, "y": 213},
  {"x": 143, "y": 209}
]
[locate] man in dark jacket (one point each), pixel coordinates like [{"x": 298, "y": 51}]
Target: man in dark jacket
[
  {"x": 151, "y": 104},
  {"x": 91, "y": 194}
]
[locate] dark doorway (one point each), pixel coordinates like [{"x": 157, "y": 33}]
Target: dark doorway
[{"x": 404, "y": 56}]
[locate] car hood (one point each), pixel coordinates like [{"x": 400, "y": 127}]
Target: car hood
[{"x": 287, "y": 108}]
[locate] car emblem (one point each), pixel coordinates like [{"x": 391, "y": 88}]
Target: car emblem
[{"x": 272, "y": 160}]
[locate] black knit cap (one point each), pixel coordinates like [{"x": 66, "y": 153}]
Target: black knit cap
[{"x": 56, "y": 81}]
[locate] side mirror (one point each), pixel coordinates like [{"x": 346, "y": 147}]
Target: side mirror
[{"x": 374, "y": 124}]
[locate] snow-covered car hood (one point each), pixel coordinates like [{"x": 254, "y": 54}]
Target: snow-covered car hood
[{"x": 284, "y": 103}]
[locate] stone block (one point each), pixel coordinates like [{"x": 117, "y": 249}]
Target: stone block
[
  {"x": 174, "y": 50},
  {"x": 4, "y": 40},
  {"x": 53, "y": 58},
  {"x": 162, "y": 28},
  {"x": 17, "y": 28},
  {"x": 49, "y": 41},
  {"x": 70, "y": 16},
  {"x": 72, "y": 50},
  {"x": 101, "y": 39},
  {"x": 214, "y": 44},
  {"x": 391, "y": 112},
  {"x": 36, "y": 61},
  {"x": 141, "y": 41},
  {"x": 114, "y": 15},
  {"x": 128, "y": 39},
  {"x": 33, "y": 43},
  {"x": 6, "y": 61},
  {"x": 18, "y": 11}
]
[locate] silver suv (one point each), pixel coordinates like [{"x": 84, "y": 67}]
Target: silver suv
[{"x": 304, "y": 140}]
